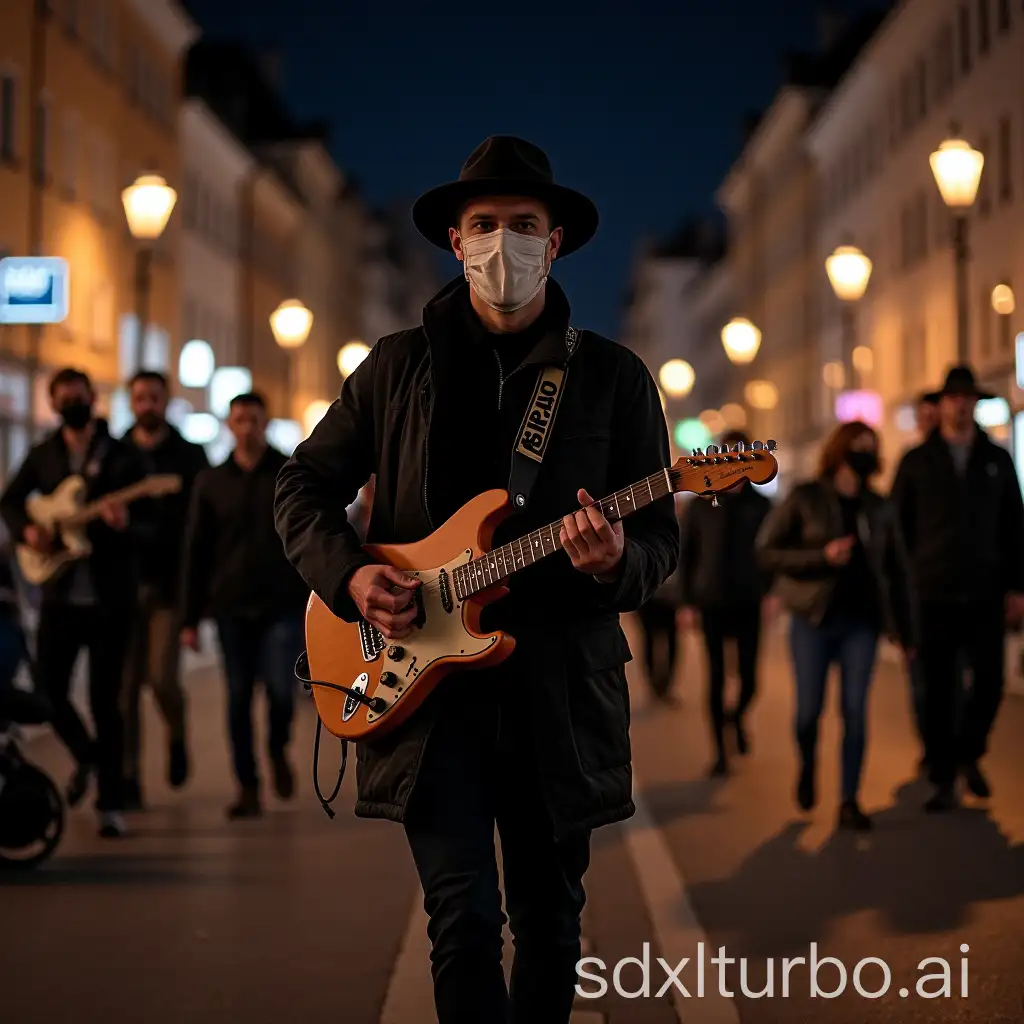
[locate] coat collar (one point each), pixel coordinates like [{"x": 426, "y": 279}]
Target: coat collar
[{"x": 443, "y": 323}]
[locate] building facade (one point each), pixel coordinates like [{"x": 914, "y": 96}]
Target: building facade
[
  {"x": 935, "y": 68},
  {"x": 88, "y": 101},
  {"x": 216, "y": 171}
]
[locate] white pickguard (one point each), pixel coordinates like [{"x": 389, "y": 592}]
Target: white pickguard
[
  {"x": 47, "y": 511},
  {"x": 443, "y": 635}
]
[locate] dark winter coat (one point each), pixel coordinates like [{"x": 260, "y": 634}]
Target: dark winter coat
[{"x": 395, "y": 417}]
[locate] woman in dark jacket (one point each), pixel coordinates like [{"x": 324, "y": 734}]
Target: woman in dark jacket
[{"x": 835, "y": 548}]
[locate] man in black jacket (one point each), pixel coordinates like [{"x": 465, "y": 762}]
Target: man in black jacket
[
  {"x": 723, "y": 584},
  {"x": 541, "y": 745},
  {"x": 154, "y": 653},
  {"x": 91, "y": 603},
  {"x": 959, "y": 502},
  {"x": 235, "y": 570}
]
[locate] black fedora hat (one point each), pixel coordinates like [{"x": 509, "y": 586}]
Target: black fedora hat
[
  {"x": 960, "y": 381},
  {"x": 505, "y": 165}
]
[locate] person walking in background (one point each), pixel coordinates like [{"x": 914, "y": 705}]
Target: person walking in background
[
  {"x": 959, "y": 503},
  {"x": 154, "y": 652},
  {"x": 235, "y": 569},
  {"x": 658, "y": 617},
  {"x": 843, "y": 574},
  {"x": 91, "y": 603},
  {"x": 723, "y": 589},
  {"x": 926, "y": 413}
]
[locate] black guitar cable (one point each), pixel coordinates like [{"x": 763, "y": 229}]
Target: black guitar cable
[{"x": 302, "y": 673}]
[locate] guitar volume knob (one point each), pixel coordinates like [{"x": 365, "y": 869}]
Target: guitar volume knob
[
  {"x": 395, "y": 652},
  {"x": 388, "y": 679}
]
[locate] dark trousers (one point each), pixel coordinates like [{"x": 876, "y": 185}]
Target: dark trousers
[
  {"x": 659, "y": 620},
  {"x": 814, "y": 648},
  {"x": 744, "y": 625},
  {"x": 478, "y": 770},
  {"x": 64, "y": 629},
  {"x": 265, "y": 648},
  {"x": 954, "y": 635}
]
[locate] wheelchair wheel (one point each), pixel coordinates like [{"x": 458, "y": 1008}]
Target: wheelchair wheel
[{"x": 31, "y": 817}]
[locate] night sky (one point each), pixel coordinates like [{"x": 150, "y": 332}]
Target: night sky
[{"x": 636, "y": 104}]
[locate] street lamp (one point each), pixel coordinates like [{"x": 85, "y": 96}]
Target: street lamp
[
  {"x": 741, "y": 340},
  {"x": 957, "y": 169},
  {"x": 677, "y": 378},
  {"x": 761, "y": 394},
  {"x": 148, "y": 204},
  {"x": 291, "y": 323},
  {"x": 350, "y": 356},
  {"x": 849, "y": 271}
]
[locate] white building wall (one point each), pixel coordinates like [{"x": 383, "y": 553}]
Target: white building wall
[{"x": 925, "y": 69}]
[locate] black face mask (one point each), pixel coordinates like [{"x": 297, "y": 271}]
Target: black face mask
[
  {"x": 864, "y": 464},
  {"x": 76, "y": 414},
  {"x": 149, "y": 420}
]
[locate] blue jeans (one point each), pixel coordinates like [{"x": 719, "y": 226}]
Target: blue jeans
[
  {"x": 265, "y": 648},
  {"x": 815, "y": 648}
]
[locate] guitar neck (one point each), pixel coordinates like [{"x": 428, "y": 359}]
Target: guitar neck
[
  {"x": 502, "y": 562},
  {"x": 87, "y": 513}
]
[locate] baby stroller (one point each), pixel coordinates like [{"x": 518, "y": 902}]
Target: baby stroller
[{"x": 31, "y": 808}]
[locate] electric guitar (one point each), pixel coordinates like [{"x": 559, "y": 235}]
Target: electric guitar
[
  {"x": 364, "y": 685},
  {"x": 64, "y": 516}
]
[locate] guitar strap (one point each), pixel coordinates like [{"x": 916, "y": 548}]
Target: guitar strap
[{"x": 538, "y": 425}]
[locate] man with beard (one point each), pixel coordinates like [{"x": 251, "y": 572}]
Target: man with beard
[
  {"x": 154, "y": 654},
  {"x": 539, "y": 745},
  {"x": 91, "y": 603},
  {"x": 960, "y": 507}
]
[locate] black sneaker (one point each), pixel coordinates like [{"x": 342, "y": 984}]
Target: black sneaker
[
  {"x": 177, "y": 764},
  {"x": 976, "y": 782},
  {"x": 284, "y": 780},
  {"x": 131, "y": 795},
  {"x": 111, "y": 825},
  {"x": 246, "y": 806},
  {"x": 805, "y": 796},
  {"x": 942, "y": 800},
  {"x": 852, "y": 817},
  {"x": 78, "y": 785}
]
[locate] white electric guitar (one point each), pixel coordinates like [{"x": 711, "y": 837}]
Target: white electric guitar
[{"x": 64, "y": 516}]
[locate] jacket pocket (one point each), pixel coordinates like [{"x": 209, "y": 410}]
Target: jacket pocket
[{"x": 598, "y": 698}]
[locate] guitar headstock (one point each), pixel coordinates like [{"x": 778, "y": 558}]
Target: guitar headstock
[{"x": 720, "y": 468}]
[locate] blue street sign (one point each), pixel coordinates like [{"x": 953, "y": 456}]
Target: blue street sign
[{"x": 34, "y": 290}]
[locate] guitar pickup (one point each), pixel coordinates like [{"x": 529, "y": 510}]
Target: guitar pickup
[{"x": 371, "y": 640}]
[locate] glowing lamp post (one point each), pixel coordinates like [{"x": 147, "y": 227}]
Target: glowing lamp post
[
  {"x": 957, "y": 168},
  {"x": 849, "y": 271},
  {"x": 741, "y": 340},
  {"x": 350, "y": 356},
  {"x": 291, "y": 323},
  {"x": 148, "y": 204},
  {"x": 676, "y": 378}
]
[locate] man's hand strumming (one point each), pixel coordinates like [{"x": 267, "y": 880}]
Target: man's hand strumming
[{"x": 384, "y": 595}]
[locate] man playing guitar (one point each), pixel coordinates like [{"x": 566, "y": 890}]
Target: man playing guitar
[{"x": 538, "y": 745}]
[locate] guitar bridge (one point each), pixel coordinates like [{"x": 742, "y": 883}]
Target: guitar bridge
[{"x": 371, "y": 639}]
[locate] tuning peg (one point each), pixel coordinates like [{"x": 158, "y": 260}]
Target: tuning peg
[
  {"x": 714, "y": 501},
  {"x": 697, "y": 453},
  {"x": 756, "y": 446},
  {"x": 770, "y": 446},
  {"x": 713, "y": 449}
]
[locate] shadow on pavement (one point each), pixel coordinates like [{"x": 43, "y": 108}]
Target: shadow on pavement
[
  {"x": 921, "y": 872},
  {"x": 126, "y": 869}
]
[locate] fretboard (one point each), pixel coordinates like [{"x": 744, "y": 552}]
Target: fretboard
[
  {"x": 124, "y": 496},
  {"x": 500, "y": 563}
]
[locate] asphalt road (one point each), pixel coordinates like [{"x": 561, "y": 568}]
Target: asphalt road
[{"x": 300, "y": 918}]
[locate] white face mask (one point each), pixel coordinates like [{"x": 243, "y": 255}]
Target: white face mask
[{"x": 507, "y": 269}]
